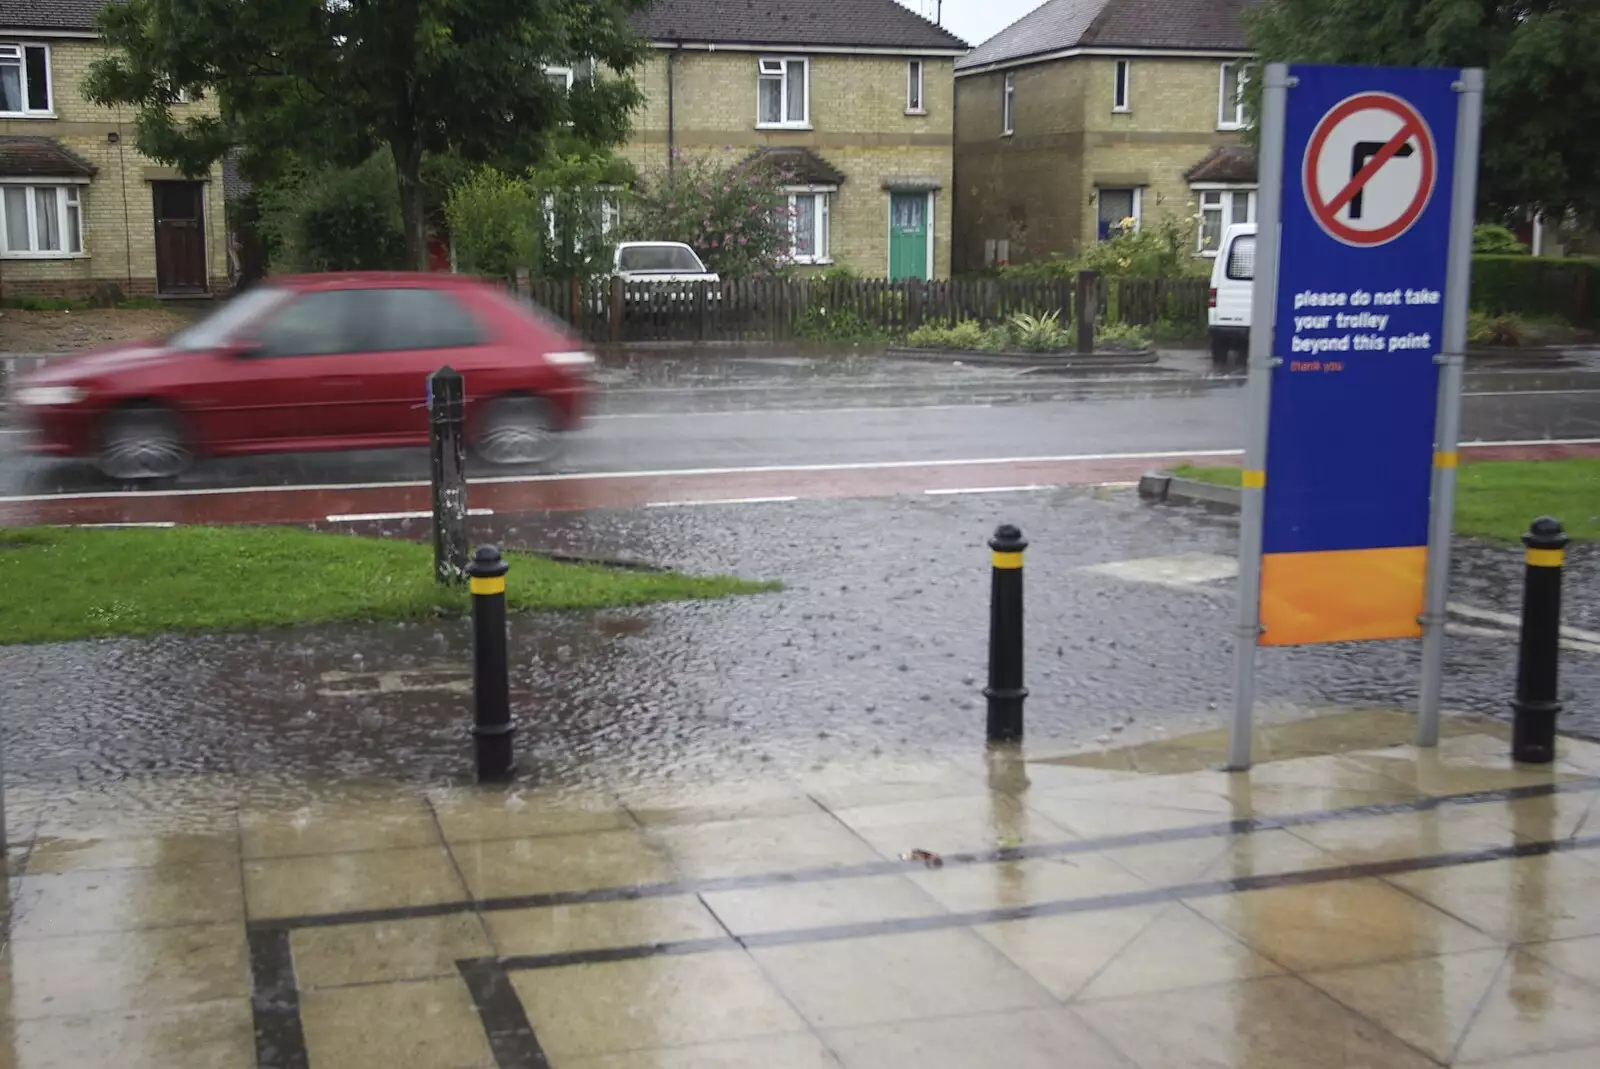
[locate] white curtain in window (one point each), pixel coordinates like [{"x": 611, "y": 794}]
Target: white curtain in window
[
  {"x": 805, "y": 226},
  {"x": 770, "y": 93},
  {"x": 11, "y": 85},
  {"x": 47, "y": 220},
  {"x": 797, "y": 91},
  {"x": 74, "y": 222},
  {"x": 16, "y": 211}
]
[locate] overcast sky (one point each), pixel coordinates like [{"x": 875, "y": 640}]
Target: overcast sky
[{"x": 975, "y": 21}]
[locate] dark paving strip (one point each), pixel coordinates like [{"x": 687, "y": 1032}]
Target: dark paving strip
[
  {"x": 505, "y": 1022},
  {"x": 275, "y": 1002},
  {"x": 516, "y": 1057},
  {"x": 887, "y": 868}
]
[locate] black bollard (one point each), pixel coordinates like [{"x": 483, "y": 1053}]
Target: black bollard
[
  {"x": 491, "y": 687},
  {"x": 447, "y": 441},
  {"x": 1005, "y": 690},
  {"x": 1533, "y": 727}
]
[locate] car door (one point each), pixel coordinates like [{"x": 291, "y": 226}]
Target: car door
[
  {"x": 409, "y": 333},
  {"x": 293, "y": 384}
]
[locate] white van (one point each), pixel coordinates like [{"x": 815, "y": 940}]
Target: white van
[{"x": 1228, "y": 312}]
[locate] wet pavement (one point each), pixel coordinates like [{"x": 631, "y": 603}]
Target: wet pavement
[{"x": 1350, "y": 901}]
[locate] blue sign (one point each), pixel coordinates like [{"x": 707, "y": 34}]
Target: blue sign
[{"x": 1367, "y": 179}]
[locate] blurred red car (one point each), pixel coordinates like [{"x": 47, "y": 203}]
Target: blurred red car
[{"x": 316, "y": 362}]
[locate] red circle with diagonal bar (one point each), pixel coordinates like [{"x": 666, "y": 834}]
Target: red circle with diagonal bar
[{"x": 1369, "y": 111}]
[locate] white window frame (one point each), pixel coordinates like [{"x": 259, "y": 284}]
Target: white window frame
[
  {"x": 1122, "y": 82},
  {"x": 1227, "y": 194},
  {"x": 1138, "y": 207},
  {"x": 1232, "y": 118},
  {"x": 1008, "y": 104},
  {"x": 821, "y": 237},
  {"x": 19, "y": 49},
  {"x": 567, "y": 73},
  {"x": 782, "y": 74},
  {"x": 69, "y": 194},
  {"x": 916, "y": 103}
]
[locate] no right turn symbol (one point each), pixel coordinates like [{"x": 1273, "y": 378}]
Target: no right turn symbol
[{"x": 1370, "y": 168}]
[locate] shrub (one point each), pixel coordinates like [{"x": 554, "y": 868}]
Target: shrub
[
  {"x": 734, "y": 214},
  {"x": 1536, "y": 286},
  {"x": 820, "y": 324},
  {"x": 550, "y": 221},
  {"x": 1491, "y": 240},
  {"x": 967, "y": 334},
  {"x": 1037, "y": 334},
  {"x": 494, "y": 220},
  {"x": 1125, "y": 334},
  {"x": 1161, "y": 250},
  {"x": 335, "y": 218},
  {"x": 1486, "y": 329}
]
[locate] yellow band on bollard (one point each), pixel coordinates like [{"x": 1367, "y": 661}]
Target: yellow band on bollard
[
  {"x": 1546, "y": 558},
  {"x": 1008, "y": 561},
  {"x": 1251, "y": 479},
  {"x": 493, "y": 585},
  {"x": 1446, "y": 460}
]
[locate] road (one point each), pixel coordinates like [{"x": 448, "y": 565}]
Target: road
[{"x": 737, "y": 428}]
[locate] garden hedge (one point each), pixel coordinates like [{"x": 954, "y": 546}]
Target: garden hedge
[{"x": 1537, "y": 286}]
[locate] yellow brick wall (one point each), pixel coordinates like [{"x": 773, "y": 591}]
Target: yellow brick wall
[
  {"x": 118, "y": 205},
  {"x": 859, "y": 125},
  {"x": 1037, "y": 187}
]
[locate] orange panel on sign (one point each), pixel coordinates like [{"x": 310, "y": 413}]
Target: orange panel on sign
[{"x": 1342, "y": 595}]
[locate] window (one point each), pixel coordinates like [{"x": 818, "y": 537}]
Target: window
[
  {"x": 781, "y": 96},
  {"x": 1007, "y": 95},
  {"x": 316, "y": 324},
  {"x": 560, "y": 77},
  {"x": 1118, "y": 212},
  {"x": 41, "y": 221},
  {"x": 664, "y": 257},
  {"x": 1220, "y": 209},
  {"x": 914, "y": 88},
  {"x": 1242, "y": 259},
  {"x": 610, "y": 208},
  {"x": 1230, "y": 106},
  {"x": 24, "y": 79},
  {"x": 1119, "y": 90},
  {"x": 227, "y": 320},
  {"x": 416, "y": 319},
  {"x": 808, "y": 227}
]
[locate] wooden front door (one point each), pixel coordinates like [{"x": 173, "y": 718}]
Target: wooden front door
[{"x": 180, "y": 237}]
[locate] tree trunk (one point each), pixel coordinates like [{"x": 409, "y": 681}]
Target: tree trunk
[{"x": 413, "y": 215}]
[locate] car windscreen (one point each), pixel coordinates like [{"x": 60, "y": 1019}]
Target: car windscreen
[
  {"x": 219, "y": 326},
  {"x": 1242, "y": 258},
  {"x": 659, "y": 258}
]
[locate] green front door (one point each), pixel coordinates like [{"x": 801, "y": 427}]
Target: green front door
[{"x": 908, "y": 235}]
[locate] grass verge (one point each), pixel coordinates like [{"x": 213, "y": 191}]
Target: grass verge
[
  {"x": 1498, "y": 498},
  {"x": 59, "y": 583}
]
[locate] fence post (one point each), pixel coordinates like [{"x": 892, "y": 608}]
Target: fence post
[
  {"x": 700, "y": 308},
  {"x": 446, "y": 402},
  {"x": 1087, "y": 308},
  {"x": 614, "y": 308}
]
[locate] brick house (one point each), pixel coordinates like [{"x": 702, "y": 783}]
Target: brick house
[
  {"x": 1086, "y": 113},
  {"x": 81, "y": 211},
  {"x": 855, "y": 96}
]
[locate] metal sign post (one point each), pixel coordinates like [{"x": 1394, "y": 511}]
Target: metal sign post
[
  {"x": 1360, "y": 295},
  {"x": 1263, "y": 312},
  {"x": 1453, "y": 357}
]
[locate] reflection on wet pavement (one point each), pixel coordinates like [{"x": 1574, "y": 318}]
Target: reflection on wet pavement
[{"x": 359, "y": 924}]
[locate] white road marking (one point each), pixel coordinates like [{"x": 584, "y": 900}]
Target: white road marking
[
  {"x": 763, "y": 413},
  {"x": 1506, "y": 619},
  {"x": 1525, "y": 393},
  {"x": 988, "y": 490},
  {"x": 1187, "y": 570},
  {"x": 720, "y": 501},
  {"x": 364, "y": 517},
  {"x": 1479, "y": 443},
  {"x": 151, "y": 523},
  {"x": 1474, "y": 631}
]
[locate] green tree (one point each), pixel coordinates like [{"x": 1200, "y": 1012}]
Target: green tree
[
  {"x": 327, "y": 218},
  {"x": 1543, "y": 82},
  {"x": 331, "y": 81},
  {"x": 551, "y": 221}
]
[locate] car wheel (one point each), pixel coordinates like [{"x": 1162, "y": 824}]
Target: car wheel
[
  {"x": 1219, "y": 349},
  {"x": 144, "y": 442},
  {"x": 516, "y": 430}
]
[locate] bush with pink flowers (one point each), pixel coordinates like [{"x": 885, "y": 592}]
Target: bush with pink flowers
[{"x": 731, "y": 211}]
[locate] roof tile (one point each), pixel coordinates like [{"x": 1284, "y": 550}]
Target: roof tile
[
  {"x": 50, "y": 14},
  {"x": 794, "y": 23},
  {"x": 1225, "y": 163},
  {"x": 40, "y": 157},
  {"x": 1210, "y": 25}
]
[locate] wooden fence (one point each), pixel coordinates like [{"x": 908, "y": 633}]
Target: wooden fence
[{"x": 755, "y": 310}]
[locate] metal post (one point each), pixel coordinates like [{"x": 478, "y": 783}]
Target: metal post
[
  {"x": 1005, "y": 690},
  {"x": 448, "y": 445},
  {"x": 1263, "y": 322},
  {"x": 1538, "y": 702},
  {"x": 1447, "y": 420},
  {"x": 1088, "y": 307},
  {"x": 491, "y": 686}
]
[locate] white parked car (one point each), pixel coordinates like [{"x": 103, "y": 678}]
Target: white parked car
[
  {"x": 654, "y": 262},
  {"x": 1233, "y": 271}
]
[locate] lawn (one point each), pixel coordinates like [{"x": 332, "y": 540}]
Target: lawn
[
  {"x": 1498, "y": 498},
  {"x": 60, "y": 583}
]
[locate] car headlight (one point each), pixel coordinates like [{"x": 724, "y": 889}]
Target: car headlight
[
  {"x": 50, "y": 395},
  {"x": 572, "y": 359}
]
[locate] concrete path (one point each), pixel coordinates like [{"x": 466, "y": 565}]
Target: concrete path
[{"x": 1349, "y": 902}]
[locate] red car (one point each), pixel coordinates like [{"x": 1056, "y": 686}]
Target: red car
[{"x": 315, "y": 362}]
